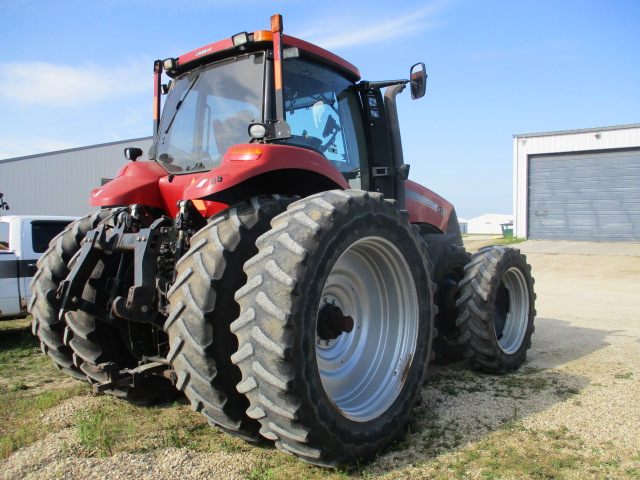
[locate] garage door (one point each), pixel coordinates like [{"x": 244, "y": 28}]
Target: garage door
[{"x": 594, "y": 196}]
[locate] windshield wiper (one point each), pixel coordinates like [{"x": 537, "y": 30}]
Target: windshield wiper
[{"x": 183, "y": 97}]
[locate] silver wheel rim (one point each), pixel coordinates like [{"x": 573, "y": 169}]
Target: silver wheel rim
[
  {"x": 517, "y": 319},
  {"x": 363, "y": 371}
]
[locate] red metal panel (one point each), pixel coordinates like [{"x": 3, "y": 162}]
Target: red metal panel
[
  {"x": 206, "y": 50},
  {"x": 175, "y": 190},
  {"x": 425, "y": 206},
  {"x": 272, "y": 157},
  {"x": 321, "y": 52},
  {"x": 137, "y": 182}
]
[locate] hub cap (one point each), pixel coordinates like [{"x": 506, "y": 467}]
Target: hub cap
[
  {"x": 367, "y": 328},
  {"x": 511, "y": 310}
]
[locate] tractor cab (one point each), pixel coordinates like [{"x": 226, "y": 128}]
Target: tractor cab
[{"x": 266, "y": 89}]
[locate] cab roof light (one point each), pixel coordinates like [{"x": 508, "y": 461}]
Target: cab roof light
[
  {"x": 257, "y": 130},
  {"x": 240, "y": 39},
  {"x": 276, "y": 23},
  {"x": 262, "y": 36},
  {"x": 170, "y": 64}
]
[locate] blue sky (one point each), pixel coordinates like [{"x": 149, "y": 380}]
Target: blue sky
[{"x": 76, "y": 73}]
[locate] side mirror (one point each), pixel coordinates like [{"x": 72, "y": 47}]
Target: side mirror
[
  {"x": 418, "y": 80},
  {"x": 132, "y": 153}
]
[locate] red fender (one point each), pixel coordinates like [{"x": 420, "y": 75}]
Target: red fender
[
  {"x": 245, "y": 161},
  {"x": 148, "y": 183},
  {"x": 136, "y": 182},
  {"x": 425, "y": 206}
]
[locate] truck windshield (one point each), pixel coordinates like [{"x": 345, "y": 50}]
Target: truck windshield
[{"x": 209, "y": 110}]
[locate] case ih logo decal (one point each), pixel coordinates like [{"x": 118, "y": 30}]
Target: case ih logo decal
[{"x": 203, "y": 51}]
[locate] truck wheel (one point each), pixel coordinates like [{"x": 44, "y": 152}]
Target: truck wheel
[
  {"x": 202, "y": 307},
  {"x": 497, "y": 308},
  {"x": 446, "y": 345},
  {"x": 52, "y": 269},
  {"x": 336, "y": 327}
]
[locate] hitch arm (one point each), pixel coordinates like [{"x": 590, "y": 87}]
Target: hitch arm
[
  {"x": 68, "y": 296},
  {"x": 146, "y": 244}
]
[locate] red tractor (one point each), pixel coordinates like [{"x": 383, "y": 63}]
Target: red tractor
[{"x": 273, "y": 262}]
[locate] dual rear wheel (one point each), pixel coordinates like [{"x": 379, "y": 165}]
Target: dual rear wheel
[
  {"x": 496, "y": 309},
  {"x": 327, "y": 347}
]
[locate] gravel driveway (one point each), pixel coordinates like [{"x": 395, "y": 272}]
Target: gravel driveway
[{"x": 582, "y": 379}]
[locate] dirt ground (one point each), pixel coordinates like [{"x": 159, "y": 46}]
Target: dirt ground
[
  {"x": 582, "y": 379},
  {"x": 588, "y": 326}
]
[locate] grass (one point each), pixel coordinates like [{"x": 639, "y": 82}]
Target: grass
[
  {"x": 474, "y": 244},
  {"x": 27, "y": 380},
  {"x": 436, "y": 445},
  {"x": 517, "y": 452},
  {"x": 18, "y": 349},
  {"x": 509, "y": 454},
  {"x": 509, "y": 241}
]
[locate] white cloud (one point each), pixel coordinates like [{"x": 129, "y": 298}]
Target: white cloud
[
  {"x": 51, "y": 85},
  {"x": 360, "y": 28}
]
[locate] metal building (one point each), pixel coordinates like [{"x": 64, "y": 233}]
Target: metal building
[
  {"x": 578, "y": 184},
  {"x": 59, "y": 183}
]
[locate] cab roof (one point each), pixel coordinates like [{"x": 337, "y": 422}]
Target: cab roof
[{"x": 248, "y": 42}]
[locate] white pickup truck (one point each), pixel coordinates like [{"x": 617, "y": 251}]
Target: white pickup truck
[{"x": 22, "y": 240}]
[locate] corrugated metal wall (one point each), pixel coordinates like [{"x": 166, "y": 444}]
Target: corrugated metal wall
[
  {"x": 528, "y": 147},
  {"x": 589, "y": 196},
  {"x": 59, "y": 183}
]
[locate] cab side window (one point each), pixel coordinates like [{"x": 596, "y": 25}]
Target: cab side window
[{"x": 323, "y": 112}]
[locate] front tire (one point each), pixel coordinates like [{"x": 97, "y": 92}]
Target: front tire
[
  {"x": 497, "y": 308},
  {"x": 336, "y": 327}
]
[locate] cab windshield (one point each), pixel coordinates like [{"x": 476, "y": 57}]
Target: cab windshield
[{"x": 209, "y": 110}]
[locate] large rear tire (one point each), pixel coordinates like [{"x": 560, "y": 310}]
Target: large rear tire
[
  {"x": 336, "y": 327},
  {"x": 497, "y": 308},
  {"x": 53, "y": 267},
  {"x": 202, "y": 307},
  {"x": 101, "y": 349}
]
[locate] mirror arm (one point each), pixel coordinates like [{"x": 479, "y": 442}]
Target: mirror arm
[{"x": 366, "y": 85}]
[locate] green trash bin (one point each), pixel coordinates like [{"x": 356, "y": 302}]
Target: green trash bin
[{"x": 507, "y": 230}]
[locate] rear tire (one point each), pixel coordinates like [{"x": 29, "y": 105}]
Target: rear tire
[
  {"x": 497, "y": 309},
  {"x": 446, "y": 345},
  {"x": 202, "y": 307},
  {"x": 53, "y": 267},
  {"x": 97, "y": 344},
  {"x": 336, "y": 327}
]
